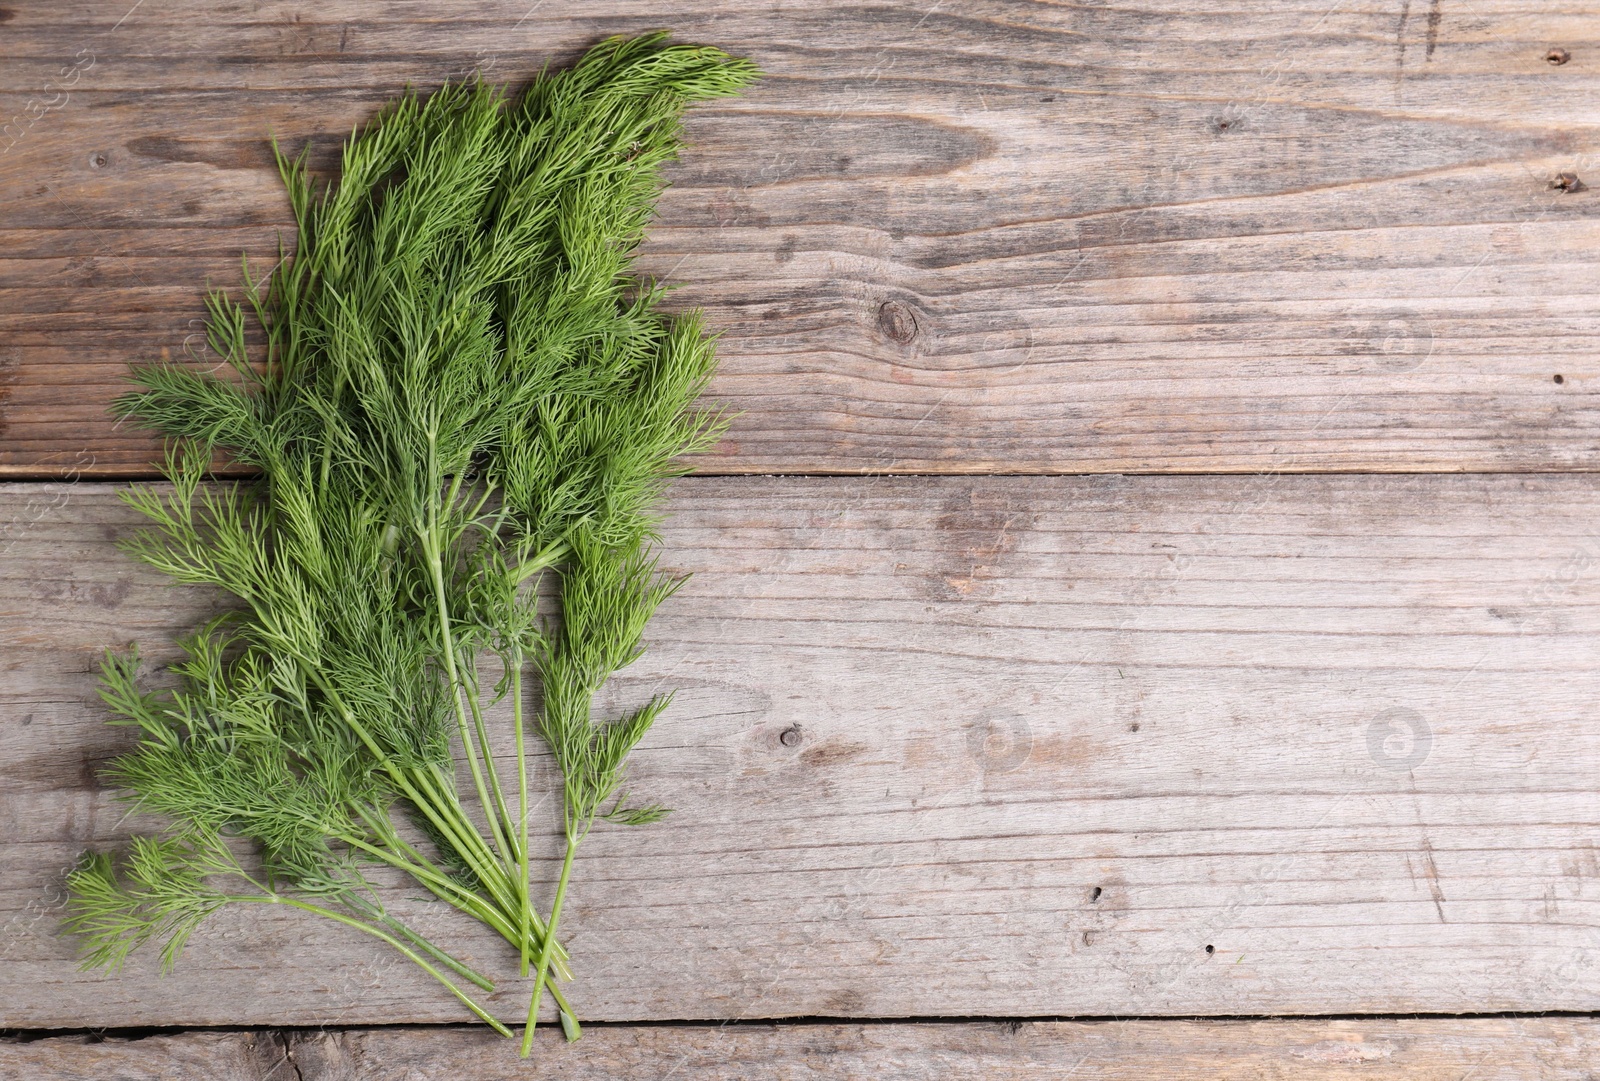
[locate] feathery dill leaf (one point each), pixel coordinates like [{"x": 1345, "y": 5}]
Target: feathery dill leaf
[{"x": 463, "y": 390}]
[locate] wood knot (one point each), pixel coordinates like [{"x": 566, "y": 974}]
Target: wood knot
[
  {"x": 1557, "y": 57},
  {"x": 897, "y": 321},
  {"x": 1568, "y": 182}
]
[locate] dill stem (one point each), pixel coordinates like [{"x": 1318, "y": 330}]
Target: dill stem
[
  {"x": 549, "y": 556},
  {"x": 496, "y": 919},
  {"x": 445, "y": 814},
  {"x": 522, "y": 785},
  {"x": 544, "y": 954},
  {"x": 376, "y": 914},
  {"x": 432, "y": 806},
  {"x": 373, "y": 912},
  {"x": 499, "y": 805},
  {"x": 459, "y": 967},
  {"x": 469, "y": 843},
  {"x": 378, "y": 933},
  {"x": 436, "y": 567},
  {"x": 518, "y": 924},
  {"x": 437, "y": 809},
  {"x": 447, "y": 817},
  {"x": 416, "y": 866},
  {"x": 528, "y": 931}
]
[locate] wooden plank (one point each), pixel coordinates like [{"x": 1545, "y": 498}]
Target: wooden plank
[
  {"x": 1420, "y": 1049},
  {"x": 951, "y": 747},
  {"x": 211, "y": 1056},
  {"x": 1246, "y": 235}
]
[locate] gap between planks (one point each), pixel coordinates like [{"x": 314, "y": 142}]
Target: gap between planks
[{"x": 1378, "y": 1049}]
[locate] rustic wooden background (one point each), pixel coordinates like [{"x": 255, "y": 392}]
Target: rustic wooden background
[{"x": 1276, "y": 737}]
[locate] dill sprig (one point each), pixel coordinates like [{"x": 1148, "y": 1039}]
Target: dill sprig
[{"x": 463, "y": 392}]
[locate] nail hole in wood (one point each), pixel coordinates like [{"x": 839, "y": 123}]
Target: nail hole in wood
[
  {"x": 790, "y": 737},
  {"x": 1557, "y": 57},
  {"x": 1210, "y": 950},
  {"x": 1558, "y": 378},
  {"x": 1568, "y": 182},
  {"x": 1094, "y": 894},
  {"x": 97, "y": 161}
]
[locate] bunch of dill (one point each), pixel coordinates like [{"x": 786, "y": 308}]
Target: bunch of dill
[{"x": 463, "y": 392}]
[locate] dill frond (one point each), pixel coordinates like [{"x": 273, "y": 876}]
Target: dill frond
[{"x": 463, "y": 391}]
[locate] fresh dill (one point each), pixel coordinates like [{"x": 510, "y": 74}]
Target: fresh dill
[{"x": 463, "y": 393}]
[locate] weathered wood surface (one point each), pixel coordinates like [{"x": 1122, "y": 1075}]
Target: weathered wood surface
[
  {"x": 1432, "y": 1049},
  {"x": 1056, "y": 747},
  {"x": 992, "y": 236}
]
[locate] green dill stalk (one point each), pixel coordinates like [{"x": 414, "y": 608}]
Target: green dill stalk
[
  {"x": 463, "y": 391},
  {"x": 167, "y": 892},
  {"x": 610, "y": 588}
]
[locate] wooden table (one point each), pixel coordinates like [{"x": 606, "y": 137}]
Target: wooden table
[{"x": 1144, "y": 617}]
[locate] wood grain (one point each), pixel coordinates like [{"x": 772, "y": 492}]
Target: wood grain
[
  {"x": 1424, "y": 1049},
  {"x": 1069, "y": 747},
  {"x": 1000, "y": 236}
]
